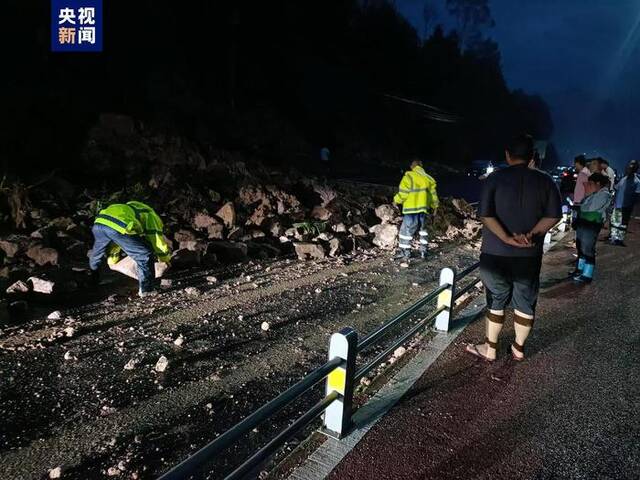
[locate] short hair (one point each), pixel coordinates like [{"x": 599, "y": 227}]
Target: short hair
[
  {"x": 600, "y": 179},
  {"x": 415, "y": 161},
  {"x": 521, "y": 147},
  {"x": 604, "y": 160},
  {"x": 581, "y": 159}
]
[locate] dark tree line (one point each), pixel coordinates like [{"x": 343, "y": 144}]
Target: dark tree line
[{"x": 276, "y": 78}]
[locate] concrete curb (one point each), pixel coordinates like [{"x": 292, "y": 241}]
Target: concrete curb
[{"x": 327, "y": 456}]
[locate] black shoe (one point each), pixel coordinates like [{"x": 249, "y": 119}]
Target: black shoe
[{"x": 402, "y": 257}]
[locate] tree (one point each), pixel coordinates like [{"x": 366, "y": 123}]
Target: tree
[
  {"x": 473, "y": 17},
  {"x": 429, "y": 18}
]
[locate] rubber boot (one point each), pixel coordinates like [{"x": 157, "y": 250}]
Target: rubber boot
[
  {"x": 587, "y": 274},
  {"x": 579, "y": 268}
]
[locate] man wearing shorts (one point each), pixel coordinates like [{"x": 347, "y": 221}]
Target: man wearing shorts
[{"x": 517, "y": 208}]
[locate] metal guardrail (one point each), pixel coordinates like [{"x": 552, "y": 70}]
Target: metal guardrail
[{"x": 341, "y": 377}]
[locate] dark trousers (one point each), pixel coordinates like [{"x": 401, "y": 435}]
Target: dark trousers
[
  {"x": 134, "y": 246},
  {"x": 586, "y": 240}
]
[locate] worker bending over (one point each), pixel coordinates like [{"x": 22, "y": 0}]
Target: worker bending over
[{"x": 135, "y": 229}]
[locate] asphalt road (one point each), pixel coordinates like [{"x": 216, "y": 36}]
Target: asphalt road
[{"x": 570, "y": 411}]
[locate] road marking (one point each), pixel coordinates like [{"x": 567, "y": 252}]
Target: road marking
[{"x": 328, "y": 455}]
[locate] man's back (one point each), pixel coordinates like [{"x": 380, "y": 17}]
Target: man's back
[{"x": 518, "y": 197}]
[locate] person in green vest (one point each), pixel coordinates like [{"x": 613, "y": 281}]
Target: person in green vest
[
  {"x": 135, "y": 229},
  {"x": 418, "y": 197}
]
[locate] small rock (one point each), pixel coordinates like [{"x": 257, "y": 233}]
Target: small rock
[
  {"x": 68, "y": 356},
  {"x": 400, "y": 351},
  {"x": 265, "y": 326},
  {"x": 192, "y": 291},
  {"x": 55, "y": 472},
  {"x": 55, "y": 315},
  {"x": 18, "y": 287},
  {"x": 212, "y": 279},
  {"x": 179, "y": 341},
  {"x": 404, "y": 265},
  {"x": 309, "y": 250},
  {"x": 69, "y": 331},
  {"x": 318, "y": 290},
  {"x": 166, "y": 283},
  {"x": 358, "y": 230},
  {"x": 41, "y": 285},
  {"x": 10, "y": 248},
  {"x": 113, "y": 471},
  {"x": 162, "y": 364},
  {"x": 131, "y": 364}
]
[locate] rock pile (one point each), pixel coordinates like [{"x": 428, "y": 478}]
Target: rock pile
[{"x": 218, "y": 207}]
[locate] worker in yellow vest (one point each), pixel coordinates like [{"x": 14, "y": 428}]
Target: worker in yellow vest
[
  {"x": 135, "y": 229},
  {"x": 418, "y": 197}
]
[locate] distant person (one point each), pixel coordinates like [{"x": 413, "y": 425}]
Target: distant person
[
  {"x": 517, "y": 207},
  {"x": 625, "y": 197},
  {"x": 608, "y": 172},
  {"x": 580, "y": 163},
  {"x": 137, "y": 230},
  {"x": 325, "y": 158},
  {"x": 594, "y": 165},
  {"x": 591, "y": 217},
  {"x": 418, "y": 196}
]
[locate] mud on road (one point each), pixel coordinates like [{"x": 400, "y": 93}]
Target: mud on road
[{"x": 83, "y": 392}]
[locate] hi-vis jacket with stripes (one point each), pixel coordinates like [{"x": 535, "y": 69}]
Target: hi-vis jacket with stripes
[
  {"x": 135, "y": 218},
  {"x": 417, "y": 192}
]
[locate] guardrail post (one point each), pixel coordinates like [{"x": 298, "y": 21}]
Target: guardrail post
[
  {"x": 337, "y": 416},
  {"x": 445, "y": 299}
]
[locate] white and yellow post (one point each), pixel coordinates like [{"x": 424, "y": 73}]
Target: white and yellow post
[
  {"x": 445, "y": 299},
  {"x": 337, "y": 416}
]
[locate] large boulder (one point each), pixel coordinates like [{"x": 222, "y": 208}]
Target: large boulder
[
  {"x": 210, "y": 224},
  {"x": 42, "y": 255},
  {"x": 9, "y": 248},
  {"x": 183, "y": 235},
  {"x": 387, "y": 213},
  {"x": 385, "y": 235},
  {"x": 307, "y": 250},
  {"x": 227, "y": 214}
]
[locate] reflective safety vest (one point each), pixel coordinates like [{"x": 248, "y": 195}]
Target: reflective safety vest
[
  {"x": 135, "y": 218},
  {"x": 417, "y": 192}
]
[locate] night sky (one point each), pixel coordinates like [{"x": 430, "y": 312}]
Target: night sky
[{"x": 582, "y": 56}]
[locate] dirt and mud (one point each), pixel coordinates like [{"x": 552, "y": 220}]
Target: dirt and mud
[{"x": 85, "y": 392}]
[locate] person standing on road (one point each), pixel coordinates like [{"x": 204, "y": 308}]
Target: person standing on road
[
  {"x": 626, "y": 191},
  {"x": 137, "y": 230},
  {"x": 591, "y": 217},
  {"x": 418, "y": 196},
  {"x": 608, "y": 172},
  {"x": 517, "y": 207},
  {"x": 580, "y": 163}
]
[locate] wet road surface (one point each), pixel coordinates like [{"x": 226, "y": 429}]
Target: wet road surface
[{"x": 570, "y": 411}]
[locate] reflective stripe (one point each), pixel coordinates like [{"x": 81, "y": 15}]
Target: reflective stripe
[
  {"x": 120, "y": 223},
  {"x": 424, "y": 242},
  {"x": 415, "y": 210},
  {"x": 406, "y": 247},
  {"x": 405, "y": 237},
  {"x": 424, "y": 234},
  {"x": 413, "y": 190}
]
